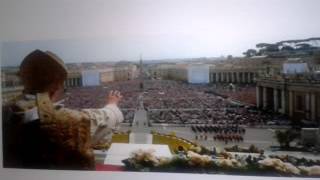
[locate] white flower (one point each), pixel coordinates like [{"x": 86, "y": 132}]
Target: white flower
[
  {"x": 279, "y": 165},
  {"x": 236, "y": 163},
  {"x": 147, "y": 156},
  {"x": 311, "y": 171},
  {"x": 164, "y": 161},
  {"x": 266, "y": 162},
  {"x": 228, "y": 163},
  {"x": 225, "y": 163},
  {"x": 197, "y": 159},
  {"x": 291, "y": 168}
]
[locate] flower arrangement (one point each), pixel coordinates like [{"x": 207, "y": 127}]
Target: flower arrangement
[
  {"x": 279, "y": 165},
  {"x": 310, "y": 171},
  {"x": 226, "y": 163},
  {"x": 195, "y": 159},
  {"x": 145, "y": 159}
]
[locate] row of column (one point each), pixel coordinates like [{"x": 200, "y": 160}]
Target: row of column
[
  {"x": 309, "y": 104},
  {"x": 285, "y": 101},
  {"x": 271, "y": 98},
  {"x": 73, "y": 82},
  {"x": 232, "y": 77}
]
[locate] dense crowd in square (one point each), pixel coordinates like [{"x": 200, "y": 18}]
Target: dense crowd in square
[
  {"x": 181, "y": 103},
  {"x": 243, "y": 93},
  {"x": 95, "y": 97},
  {"x": 174, "y": 102}
]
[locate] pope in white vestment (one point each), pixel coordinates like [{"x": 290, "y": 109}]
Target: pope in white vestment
[
  {"x": 103, "y": 121},
  {"x": 42, "y": 133}
]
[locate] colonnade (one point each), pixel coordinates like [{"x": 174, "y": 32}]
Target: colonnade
[
  {"x": 287, "y": 101},
  {"x": 73, "y": 82},
  {"x": 232, "y": 77}
]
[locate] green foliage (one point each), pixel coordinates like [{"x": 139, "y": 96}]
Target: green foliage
[
  {"x": 286, "y": 137},
  {"x": 250, "y": 53},
  {"x": 287, "y": 48}
]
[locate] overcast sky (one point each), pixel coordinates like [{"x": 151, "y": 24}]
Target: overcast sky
[{"x": 122, "y": 29}]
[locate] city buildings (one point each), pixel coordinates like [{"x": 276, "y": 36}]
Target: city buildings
[{"x": 12, "y": 85}]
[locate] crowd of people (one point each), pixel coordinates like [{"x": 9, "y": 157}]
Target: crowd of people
[
  {"x": 167, "y": 94},
  {"x": 172, "y": 102},
  {"x": 242, "y": 93},
  {"x": 176, "y": 116},
  {"x": 94, "y": 97}
]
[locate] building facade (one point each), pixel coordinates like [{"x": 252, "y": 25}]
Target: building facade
[
  {"x": 244, "y": 70},
  {"x": 298, "y": 98},
  {"x": 295, "y": 92},
  {"x": 106, "y": 76},
  {"x": 178, "y": 72},
  {"x": 74, "y": 79},
  {"x": 11, "y": 85}
]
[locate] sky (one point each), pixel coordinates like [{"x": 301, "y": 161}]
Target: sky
[{"x": 105, "y": 30}]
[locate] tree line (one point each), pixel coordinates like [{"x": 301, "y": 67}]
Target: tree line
[{"x": 285, "y": 48}]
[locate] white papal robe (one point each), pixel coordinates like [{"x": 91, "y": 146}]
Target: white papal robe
[{"x": 103, "y": 121}]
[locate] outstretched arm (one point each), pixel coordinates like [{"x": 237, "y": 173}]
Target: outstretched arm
[{"x": 105, "y": 120}]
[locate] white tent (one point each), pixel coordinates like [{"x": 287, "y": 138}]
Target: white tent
[
  {"x": 295, "y": 68},
  {"x": 198, "y": 73},
  {"x": 90, "y": 78}
]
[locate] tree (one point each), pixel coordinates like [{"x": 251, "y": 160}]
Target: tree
[
  {"x": 262, "y": 45},
  {"x": 250, "y": 53},
  {"x": 287, "y": 48},
  {"x": 272, "y": 48},
  {"x": 265, "y": 48},
  {"x": 304, "y": 46},
  {"x": 286, "y": 137}
]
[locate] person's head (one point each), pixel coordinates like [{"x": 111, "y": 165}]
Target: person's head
[{"x": 43, "y": 72}]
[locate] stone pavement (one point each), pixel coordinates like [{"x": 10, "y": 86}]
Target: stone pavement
[
  {"x": 140, "y": 122},
  {"x": 140, "y": 131}
]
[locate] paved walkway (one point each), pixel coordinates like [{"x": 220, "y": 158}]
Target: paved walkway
[
  {"x": 140, "y": 122},
  {"x": 140, "y": 129}
]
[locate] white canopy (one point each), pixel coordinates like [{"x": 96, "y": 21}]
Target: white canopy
[
  {"x": 198, "y": 73},
  {"x": 90, "y": 78},
  {"x": 295, "y": 68}
]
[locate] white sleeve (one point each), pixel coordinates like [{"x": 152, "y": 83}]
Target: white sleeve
[{"x": 103, "y": 121}]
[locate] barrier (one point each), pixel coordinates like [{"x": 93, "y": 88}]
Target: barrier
[
  {"x": 173, "y": 142},
  {"x": 120, "y": 138}
]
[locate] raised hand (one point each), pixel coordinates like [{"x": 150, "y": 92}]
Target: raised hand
[{"x": 114, "y": 97}]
